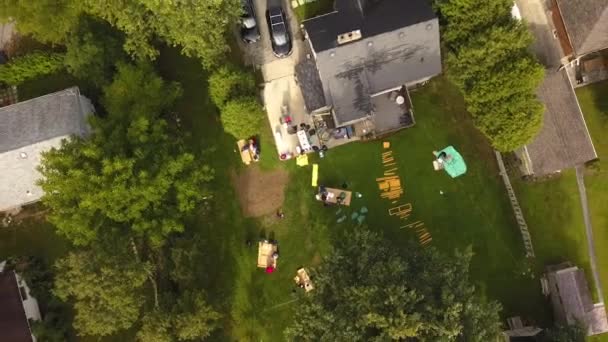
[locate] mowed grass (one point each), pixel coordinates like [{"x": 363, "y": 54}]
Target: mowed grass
[
  {"x": 594, "y": 103},
  {"x": 473, "y": 210}
]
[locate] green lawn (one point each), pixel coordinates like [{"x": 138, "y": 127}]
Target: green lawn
[
  {"x": 473, "y": 211},
  {"x": 594, "y": 103}
]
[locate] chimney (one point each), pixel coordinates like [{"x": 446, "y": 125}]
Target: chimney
[{"x": 349, "y": 37}]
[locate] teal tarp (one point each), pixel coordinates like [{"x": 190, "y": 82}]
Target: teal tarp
[{"x": 453, "y": 163}]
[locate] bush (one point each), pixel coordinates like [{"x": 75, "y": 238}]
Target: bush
[
  {"x": 30, "y": 66},
  {"x": 229, "y": 82},
  {"x": 242, "y": 117}
]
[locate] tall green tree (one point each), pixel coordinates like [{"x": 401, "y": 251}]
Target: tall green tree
[
  {"x": 93, "y": 51},
  {"x": 49, "y": 21},
  {"x": 106, "y": 289},
  {"x": 198, "y": 27},
  {"x": 131, "y": 172},
  {"x": 489, "y": 60},
  {"x": 367, "y": 291},
  {"x": 194, "y": 318},
  {"x": 191, "y": 318},
  {"x": 30, "y": 66}
]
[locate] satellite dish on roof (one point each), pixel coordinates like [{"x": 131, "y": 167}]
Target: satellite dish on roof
[{"x": 400, "y": 100}]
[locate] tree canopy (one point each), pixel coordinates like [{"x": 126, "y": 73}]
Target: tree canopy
[
  {"x": 93, "y": 50},
  {"x": 366, "y": 291},
  {"x": 130, "y": 173},
  {"x": 191, "y": 318},
  {"x": 488, "y": 59},
  {"x": 106, "y": 289},
  {"x": 199, "y": 27}
]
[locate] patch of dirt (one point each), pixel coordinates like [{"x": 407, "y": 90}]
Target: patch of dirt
[{"x": 260, "y": 192}]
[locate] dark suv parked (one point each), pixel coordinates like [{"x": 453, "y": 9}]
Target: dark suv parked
[{"x": 279, "y": 31}]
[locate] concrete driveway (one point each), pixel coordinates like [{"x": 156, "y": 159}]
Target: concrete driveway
[
  {"x": 281, "y": 94},
  {"x": 260, "y": 54},
  {"x": 537, "y": 16}
]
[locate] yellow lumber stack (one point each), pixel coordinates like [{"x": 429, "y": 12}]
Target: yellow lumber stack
[{"x": 390, "y": 188}]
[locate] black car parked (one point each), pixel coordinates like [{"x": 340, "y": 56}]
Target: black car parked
[
  {"x": 279, "y": 31},
  {"x": 250, "y": 32}
]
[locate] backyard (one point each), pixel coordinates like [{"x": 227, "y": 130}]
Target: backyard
[
  {"x": 469, "y": 211},
  {"x": 472, "y": 210}
]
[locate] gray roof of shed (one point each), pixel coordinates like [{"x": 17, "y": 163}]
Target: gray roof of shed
[
  {"x": 399, "y": 45},
  {"x": 586, "y": 22},
  {"x": 563, "y": 142},
  {"x": 571, "y": 299},
  {"x": 43, "y": 118}
]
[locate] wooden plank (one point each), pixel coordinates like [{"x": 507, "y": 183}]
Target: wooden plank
[{"x": 381, "y": 179}]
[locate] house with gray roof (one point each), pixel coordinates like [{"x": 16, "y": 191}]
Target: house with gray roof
[
  {"x": 582, "y": 25},
  {"x": 366, "y": 54},
  {"x": 563, "y": 141},
  {"x": 29, "y": 128},
  {"x": 571, "y": 299}
]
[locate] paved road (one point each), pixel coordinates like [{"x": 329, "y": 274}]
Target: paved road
[{"x": 580, "y": 170}]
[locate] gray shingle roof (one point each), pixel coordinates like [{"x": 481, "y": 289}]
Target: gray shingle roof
[
  {"x": 399, "y": 45},
  {"x": 586, "y": 22},
  {"x": 29, "y": 128},
  {"x": 41, "y": 118},
  {"x": 371, "y": 17},
  {"x": 563, "y": 142},
  {"x": 310, "y": 84},
  {"x": 571, "y": 299}
]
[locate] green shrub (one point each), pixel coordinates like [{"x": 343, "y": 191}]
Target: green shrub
[
  {"x": 30, "y": 66},
  {"x": 229, "y": 82},
  {"x": 242, "y": 117}
]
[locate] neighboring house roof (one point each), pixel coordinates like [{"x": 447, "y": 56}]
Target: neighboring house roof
[
  {"x": 586, "y": 23},
  {"x": 29, "y": 128},
  {"x": 13, "y": 322},
  {"x": 571, "y": 299},
  {"x": 399, "y": 45},
  {"x": 563, "y": 141}
]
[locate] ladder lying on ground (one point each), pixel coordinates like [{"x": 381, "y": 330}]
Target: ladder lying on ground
[{"x": 519, "y": 216}]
